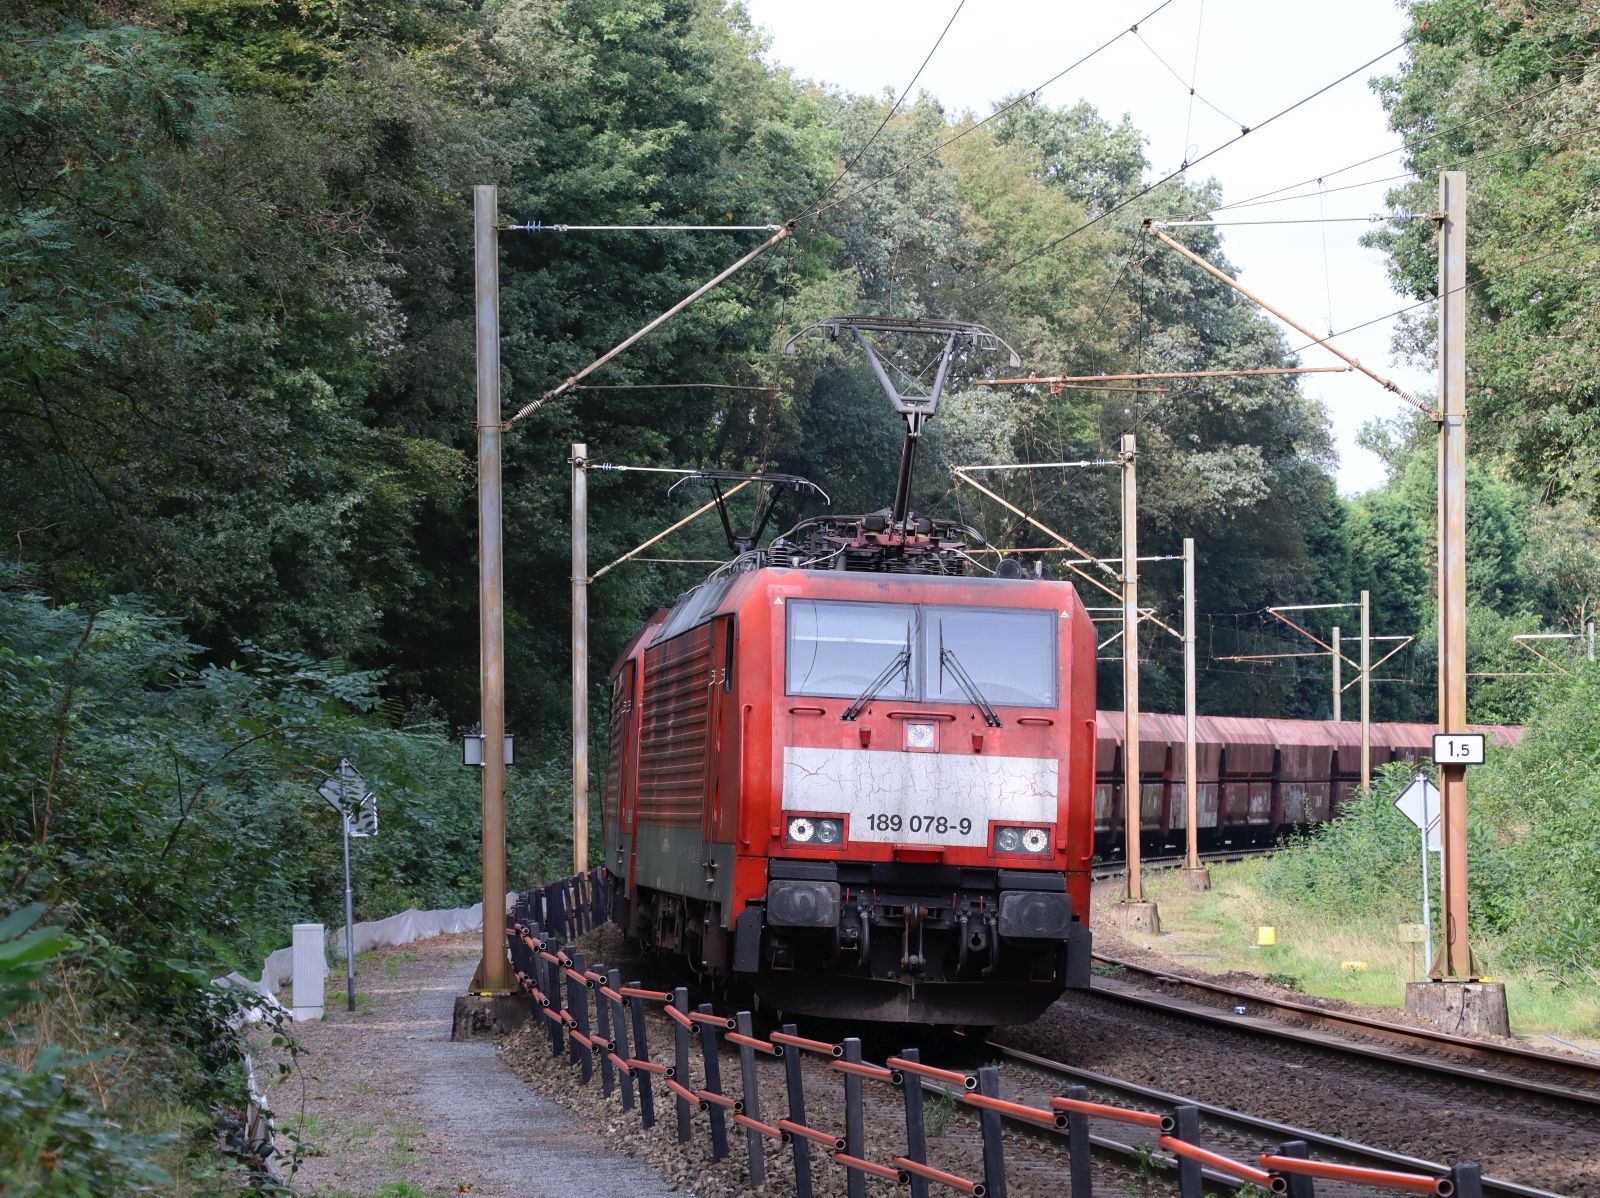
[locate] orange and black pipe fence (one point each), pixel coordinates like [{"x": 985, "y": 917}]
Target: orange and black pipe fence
[{"x": 614, "y": 1042}]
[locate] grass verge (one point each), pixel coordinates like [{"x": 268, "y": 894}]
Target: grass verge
[{"x": 1215, "y": 931}]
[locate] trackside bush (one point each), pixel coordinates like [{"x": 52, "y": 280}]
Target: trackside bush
[
  {"x": 1540, "y": 802},
  {"x": 1363, "y": 863},
  {"x": 162, "y": 811},
  {"x": 1534, "y": 853},
  {"x": 53, "y": 1140}
]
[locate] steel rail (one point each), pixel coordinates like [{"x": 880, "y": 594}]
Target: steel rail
[
  {"x": 1309, "y": 1038},
  {"x": 1113, "y": 869},
  {"x": 1461, "y": 1046},
  {"x": 1238, "y": 1123}
]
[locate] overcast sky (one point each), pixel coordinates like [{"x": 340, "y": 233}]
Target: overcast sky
[{"x": 1248, "y": 58}]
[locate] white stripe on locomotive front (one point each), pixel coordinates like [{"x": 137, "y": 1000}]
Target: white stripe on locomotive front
[{"x": 921, "y": 788}]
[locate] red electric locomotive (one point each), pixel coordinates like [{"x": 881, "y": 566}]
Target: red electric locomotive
[{"x": 851, "y": 777}]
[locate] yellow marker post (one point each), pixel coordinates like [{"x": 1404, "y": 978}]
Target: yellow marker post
[{"x": 1266, "y": 937}]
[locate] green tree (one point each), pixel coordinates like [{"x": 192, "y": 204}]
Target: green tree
[{"x": 1508, "y": 91}]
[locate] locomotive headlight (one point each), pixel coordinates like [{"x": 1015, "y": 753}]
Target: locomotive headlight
[
  {"x": 816, "y": 830},
  {"x": 1022, "y": 840}
]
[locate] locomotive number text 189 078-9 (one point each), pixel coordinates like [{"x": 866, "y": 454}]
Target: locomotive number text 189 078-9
[{"x": 939, "y": 825}]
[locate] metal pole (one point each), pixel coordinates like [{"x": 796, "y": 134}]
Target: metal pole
[
  {"x": 1130, "y": 666},
  {"x": 580, "y": 658},
  {"x": 349, "y": 925},
  {"x": 1366, "y": 691},
  {"x": 1456, "y": 960},
  {"x": 1191, "y": 785},
  {"x": 1589, "y": 636},
  {"x": 1338, "y": 680},
  {"x": 493, "y": 974},
  {"x": 1427, "y": 901}
]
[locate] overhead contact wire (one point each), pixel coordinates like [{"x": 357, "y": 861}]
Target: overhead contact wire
[
  {"x": 999, "y": 112},
  {"x": 1409, "y": 144},
  {"x": 889, "y": 116},
  {"x": 1433, "y": 299},
  {"x": 1244, "y": 132},
  {"x": 1189, "y": 87},
  {"x": 1260, "y": 200}
]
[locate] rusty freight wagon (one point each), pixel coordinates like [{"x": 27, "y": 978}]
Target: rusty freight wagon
[{"x": 1256, "y": 778}]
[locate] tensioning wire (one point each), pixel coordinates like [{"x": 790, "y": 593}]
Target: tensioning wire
[
  {"x": 1001, "y": 111},
  {"x": 1410, "y": 144}
]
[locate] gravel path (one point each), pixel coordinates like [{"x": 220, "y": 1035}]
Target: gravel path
[{"x": 391, "y": 1108}]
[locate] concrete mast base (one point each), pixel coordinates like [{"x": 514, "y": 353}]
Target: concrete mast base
[
  {"x": 1139, "y": 916},
  {"x": 1198, "y": 878},
  {"x": 479, "y": 1015},
  {"x": 1464, "y": 1008}
]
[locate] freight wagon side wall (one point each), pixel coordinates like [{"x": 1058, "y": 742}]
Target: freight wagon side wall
[{"x": 1256, "y": 776}]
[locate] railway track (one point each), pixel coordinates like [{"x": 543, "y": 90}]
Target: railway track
[
  {"x": 1231, "y": 1132},
  {"x": 1115, "y": 869},
  {"x": 1396, "y": 1096},
  {"x": 1506, "y": 1068},
  {"x": 1179, "y": 1067}
]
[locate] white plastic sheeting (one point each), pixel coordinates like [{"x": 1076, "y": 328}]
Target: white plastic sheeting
[{"x": 409, "y": 926}]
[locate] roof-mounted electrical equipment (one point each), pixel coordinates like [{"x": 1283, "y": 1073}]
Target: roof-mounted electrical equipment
[
  {"x": 896, "y": 538},
  {"x": 776, "y": 483}
]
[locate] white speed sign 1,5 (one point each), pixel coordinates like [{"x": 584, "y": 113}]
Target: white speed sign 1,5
[{"x": 1458, "y": 748}]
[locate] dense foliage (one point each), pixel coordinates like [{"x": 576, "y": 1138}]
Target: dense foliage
[
  {"x": 165, "y": 811},
  {"x": 238, "y": 344},
  {"x": 237, "y": 482},
  {"x": 1505, "y": 91},
  {"x": 1508, "y": 92},
  {"x": 54, "y": 1139}
]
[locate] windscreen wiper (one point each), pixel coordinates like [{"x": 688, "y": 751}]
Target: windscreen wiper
[
  {"x": 902, "y": 661},
  {"x": 949, "y": 661}
]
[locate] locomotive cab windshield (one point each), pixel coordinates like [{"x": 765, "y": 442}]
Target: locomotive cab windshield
[{"x": 837, "y": 649}]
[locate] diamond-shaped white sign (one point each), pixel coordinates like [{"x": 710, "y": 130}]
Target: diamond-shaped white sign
[{"x": 1419, "y": 803}]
